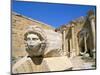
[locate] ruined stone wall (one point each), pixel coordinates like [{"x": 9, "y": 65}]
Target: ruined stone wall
[{"x": 73, "y": 43}]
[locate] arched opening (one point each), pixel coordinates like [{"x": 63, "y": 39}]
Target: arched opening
[{"x": 83, "y": 45}]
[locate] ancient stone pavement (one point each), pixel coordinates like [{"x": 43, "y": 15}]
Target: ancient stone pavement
[{"x": 80, "y": 62}]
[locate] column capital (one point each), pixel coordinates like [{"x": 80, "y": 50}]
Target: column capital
[
  {"x": 92, "y": 17},
  {"x": 64, "y": 29},
  {"x": 90, "y": 12},
  {"x": 72, "y": 23}
]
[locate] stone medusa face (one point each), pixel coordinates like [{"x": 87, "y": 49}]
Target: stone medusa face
[{"x": 33, "y": 40}]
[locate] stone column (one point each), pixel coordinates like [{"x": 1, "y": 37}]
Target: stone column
[
  {"x": 64, "y": 41},
  {"x": 77, "y": 46},
  {"x": 67, "y": 47},
  {"x": 92, "y": 21},
  {"x": 85, "y": 44},
  {"x": 73, "y": 41}
]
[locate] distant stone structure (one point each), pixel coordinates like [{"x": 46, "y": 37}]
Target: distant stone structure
[{"x": 79, "y": 36}]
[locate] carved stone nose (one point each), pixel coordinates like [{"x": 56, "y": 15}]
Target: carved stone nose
[{"x": 31, "y": 45}]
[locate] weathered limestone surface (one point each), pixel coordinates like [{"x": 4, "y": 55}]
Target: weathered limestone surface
[
  {"x": 54, "y": 40},
  {"x": 26, "y": 65},
  {"x": 69, "y": 42}
]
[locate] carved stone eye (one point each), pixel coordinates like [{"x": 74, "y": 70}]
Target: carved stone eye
[
  {"x": 35, "y": 39},
  {"x": 28, "y": 39}
]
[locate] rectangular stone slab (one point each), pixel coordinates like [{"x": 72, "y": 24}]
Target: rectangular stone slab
[
  {"x": 26, "y": 65},
  {"x": 58, "y": 63}
]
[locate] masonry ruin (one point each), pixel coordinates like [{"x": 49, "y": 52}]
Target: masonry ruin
[{"x": 77, "y": 38}]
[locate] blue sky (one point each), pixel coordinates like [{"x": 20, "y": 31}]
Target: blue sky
[{"x": 51, "y": 13}]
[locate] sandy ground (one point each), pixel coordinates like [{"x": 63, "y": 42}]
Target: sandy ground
[{"x": 80, "y": 63}]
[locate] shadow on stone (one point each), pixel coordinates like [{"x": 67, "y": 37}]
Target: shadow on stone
[{"x": 37, "y": 60}]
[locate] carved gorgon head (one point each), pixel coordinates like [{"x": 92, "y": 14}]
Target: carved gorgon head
[{"x": 35, "y": 42}]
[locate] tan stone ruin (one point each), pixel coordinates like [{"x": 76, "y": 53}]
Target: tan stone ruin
[
  {"x": 74, "y": 31},
  {"x": 45, "y": 59},
  {"x": 73, "y": 39}
]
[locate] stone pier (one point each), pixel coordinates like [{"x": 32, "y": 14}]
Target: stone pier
[
  {"x": 92, "y": 22},
  {"x": 73, "y": 53},
  {"x": 64, "y": 41}
]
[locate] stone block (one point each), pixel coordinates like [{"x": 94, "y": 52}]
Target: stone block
[{"x": 26, "y": 65}]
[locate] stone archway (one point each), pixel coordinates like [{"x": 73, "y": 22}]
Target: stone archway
[{"x": 83, "y": 35}]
